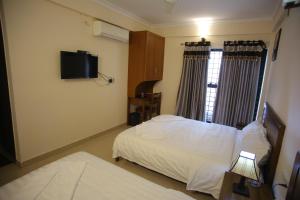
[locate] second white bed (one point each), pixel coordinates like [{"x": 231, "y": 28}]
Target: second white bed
[
  {"x": 190, "y": 151},
  {"x": 82, "y": 176}
]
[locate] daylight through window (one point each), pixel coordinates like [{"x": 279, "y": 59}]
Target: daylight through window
[{"x": 212, "y": 82}]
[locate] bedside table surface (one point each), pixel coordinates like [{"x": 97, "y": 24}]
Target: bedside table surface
[{"x": 261, "y": 193}]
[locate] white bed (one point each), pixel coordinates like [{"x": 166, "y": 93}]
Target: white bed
[
  {"x": 84, "y": 176},
  {"x": 190, "y": 151}
]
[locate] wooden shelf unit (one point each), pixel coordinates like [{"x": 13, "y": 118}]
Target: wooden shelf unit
[{"x": 147, "y": 107}]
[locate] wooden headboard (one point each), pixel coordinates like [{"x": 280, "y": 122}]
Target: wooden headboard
[
  {"x": 293, "y": 192},
  {"x": 275, "y": 132}
]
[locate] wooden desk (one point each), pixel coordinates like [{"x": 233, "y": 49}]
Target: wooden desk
[
  {"x": 148, "y": 107},
  {"x": 261, "y": 193}
]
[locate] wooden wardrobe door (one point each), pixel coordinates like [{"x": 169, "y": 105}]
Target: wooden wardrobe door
[
  {"x": 150, "y": 57},
  {"x": 154, "y": 57},
  {"x": 159, "y": 58},
  {"x": 136, "y": 61}
]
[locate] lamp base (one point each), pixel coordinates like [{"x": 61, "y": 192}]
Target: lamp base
[{"x": 240, "y": 189}]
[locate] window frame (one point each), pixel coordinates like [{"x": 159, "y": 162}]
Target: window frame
[{"x": 212, "y": 85}]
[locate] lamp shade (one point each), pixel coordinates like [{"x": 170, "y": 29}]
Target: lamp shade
[{"x": 246, "y": 166}]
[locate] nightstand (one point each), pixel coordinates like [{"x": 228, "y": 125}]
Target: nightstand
[{"x": 260, "y": 193}]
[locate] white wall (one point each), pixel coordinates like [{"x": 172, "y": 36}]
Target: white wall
[
  {"x": 284, "y": 93},
  {"x": 217, "y": 28},
  {"x": 49, "y": 112}
]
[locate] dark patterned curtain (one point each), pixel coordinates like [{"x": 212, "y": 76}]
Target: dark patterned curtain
[
  {"x": 192, "y": 89},
  {"x": 238, "y": 82}
]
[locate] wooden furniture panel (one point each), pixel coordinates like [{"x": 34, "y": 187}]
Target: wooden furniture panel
[
  {"x": 154, "y": 57},
  {"x": 275, "y": 132},
  {"x": 159, "y": 59},
  {"x": 263, "y": 192},
  {"x": 136, "y": 61},
  {"x": 146, "y": 59},
  {"x": 150, "y": 56},
  {"x": 147, "y": 107},
  {"x": 145, "y": 68}
]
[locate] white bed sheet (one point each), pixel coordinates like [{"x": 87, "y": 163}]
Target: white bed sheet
[
  {"x": 187, "y": 150},
  {"x": 82, "y": 176}
]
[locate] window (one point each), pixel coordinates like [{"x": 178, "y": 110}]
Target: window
[{"x": 214, "y": 65}]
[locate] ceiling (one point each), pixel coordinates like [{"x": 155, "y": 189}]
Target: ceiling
[{"x": 159, "y": 12}]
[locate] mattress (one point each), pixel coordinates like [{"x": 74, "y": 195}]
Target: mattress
[
  {"x": 83, "y": 176},
  {"x": 190, "y": 151}
]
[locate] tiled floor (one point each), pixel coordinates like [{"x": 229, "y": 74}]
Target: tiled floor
[{"x": 100, "y": 146}]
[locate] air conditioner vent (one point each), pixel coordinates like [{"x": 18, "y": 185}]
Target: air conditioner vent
[{"x": 110, "y": 31}]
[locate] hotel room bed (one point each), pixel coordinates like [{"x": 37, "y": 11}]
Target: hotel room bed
[
  {"x": 190, "y": 151},
  {"x": 195, "y": 152},
  {"x": 84, "y": 176}
]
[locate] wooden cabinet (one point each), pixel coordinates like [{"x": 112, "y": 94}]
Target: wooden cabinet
[
  {"x": 145, "y": 68},
  {"x": 146, "y": 60},
  {"x": 154, "y": 57}
]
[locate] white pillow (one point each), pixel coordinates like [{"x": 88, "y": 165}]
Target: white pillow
[
  {"x": 254, "y": 140},
  {"x": 255, "y": 127},
  {"x": 257, "y": 144}
]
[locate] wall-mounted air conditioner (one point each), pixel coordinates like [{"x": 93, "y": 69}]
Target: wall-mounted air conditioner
[{"x": 110, "y": 31}]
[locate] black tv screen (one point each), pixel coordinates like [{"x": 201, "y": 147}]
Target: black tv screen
[{"x": 78, "y": 65}]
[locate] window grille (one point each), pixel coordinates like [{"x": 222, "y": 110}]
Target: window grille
[{"x": 214, "y": 65}]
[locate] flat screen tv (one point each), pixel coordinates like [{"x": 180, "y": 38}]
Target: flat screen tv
[{"x": 78, "y": 64}]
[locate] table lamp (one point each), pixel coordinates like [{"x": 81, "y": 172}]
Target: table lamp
[{"x": 245, "y": 166}]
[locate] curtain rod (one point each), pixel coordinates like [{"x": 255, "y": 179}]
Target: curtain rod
[
  {"x": 291, "y": 5},
  {"x": 84, "y": 14},
  {"x": 266, "y": 43},
  {"x": 216, "y": 35},
  {"x": 203, "y": 41},
  {"x": 240, "y": 42}
]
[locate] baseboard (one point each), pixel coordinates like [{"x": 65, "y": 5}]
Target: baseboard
[{"x": 43, "y": 156}]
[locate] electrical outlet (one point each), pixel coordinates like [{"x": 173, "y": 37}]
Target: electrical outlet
[{"x": 110, "y": 80}]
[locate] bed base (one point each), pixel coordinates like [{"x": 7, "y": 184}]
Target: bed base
[{"x": 275, "y": 133}]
